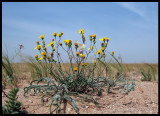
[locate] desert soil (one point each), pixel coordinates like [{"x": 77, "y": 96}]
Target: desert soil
[{"x": 143, "y": 100}]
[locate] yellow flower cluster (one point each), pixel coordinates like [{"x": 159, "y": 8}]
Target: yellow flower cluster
[
  {"x": 54, "y": 34},
  {"x": 41, "y": 37},
  {"x": 104, "y": 39},
  {"x": 81, "y": 31},
  {"x": 38, "y": 47},
  {"x": 82, "y": 55},
  {"x": 81, "y": 47},
  {"x": 91, "y": 48},
  {"x": 66, "y": 42},
  {"x": 51, "y": 44}
]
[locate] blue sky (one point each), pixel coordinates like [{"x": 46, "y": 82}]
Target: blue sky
[{"x": 132, "y": 26}]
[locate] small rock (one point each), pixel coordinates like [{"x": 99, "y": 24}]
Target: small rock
[
  {"x": 97, "y": 98},
  {"x": 69, "y": 109},
  {"x": 45, "y": 99},
  {"x": 87, "y": 106},
  {"x": 91, "y": 105},
  {"x": 32, "y": 94},
  {"x": 108, "y": 107},
  {"x": 83, "y": 106},
  {"x": 30, "y": 101}
]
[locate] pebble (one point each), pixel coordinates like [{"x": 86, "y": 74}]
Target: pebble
[
  {"x": 30, "y": 101},
  {"x": 83, "y": 106},
  {"x": 91, "y": 105},
  {"x": 32, "y": 94},
  {"x": 69, "y": 109},
  {"x": 45, "y": 99},
  {"x": 87, "y": 106},
  {"x": 108, "y": 107},
  {"x": 97, "y": 98}
]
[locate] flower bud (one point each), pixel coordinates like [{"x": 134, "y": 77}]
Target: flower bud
[
  {"x": 77, "y": 53},
  {"x": 36, "y": 56},
  {"x": 75, "y": 69}
]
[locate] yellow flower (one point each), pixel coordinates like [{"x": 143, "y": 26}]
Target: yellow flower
[
  {"x": 60, "y": 44},
  {"x": 44, "y": 48},
  {"x": 82, "y": 55},
  {"x": 66, "y": 42},
  {"x": 38, "y": 47},
  {"x": 59, "y": 35},
  {"x": 54, "y": 34},
  {"x": 48, "y": 57},
  {"x": 85, "y": 64},
  {"x": 75, "y": 43},
  {"x": 43, "y": 53},
  {"x": 95, "y": 62},
  {"x": 104, "y": 39},
  {"x": 82, "y": 64},
  {"x": 91, "y": 48},
  {"x": 98, "y": 52},
  {"x": 52, "y": 43},
  {"x": 36, "y": 56},
  {"x": 94, "y": 35},
  {"x": 37, "y": 42},
  {"x": 39, "y": 59},
  {"x": 51, "y": 53},
  {"x": 70, "y": 41},
  {"x": 53, "y": 49},
  {"x": 75, "y": 69},
  {"x": 41, "y": 37},
  {"x": 90, "y": 36},
  {"x": 102, "y": 48},
  {"x": 77, "y": 53},
  {"x": 112, "y": 52},
  {"x": 81, "y": 31}
]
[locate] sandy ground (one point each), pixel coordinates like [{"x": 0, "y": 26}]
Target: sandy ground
[{"x": 144, "y": 100}]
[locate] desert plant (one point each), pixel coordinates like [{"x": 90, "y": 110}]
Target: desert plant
[
  {"x": 80, "y": 79},
  {"x": 58, "y": 93},
  {"x": 146, "y": 76},
  {"x": 9, "y": 74},
  {"x": 12, "y": 106},
  {"x": 153, "y": 70}
]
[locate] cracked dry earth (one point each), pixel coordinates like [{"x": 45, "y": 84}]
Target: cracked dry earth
[{"x": 144, "y": 100}]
